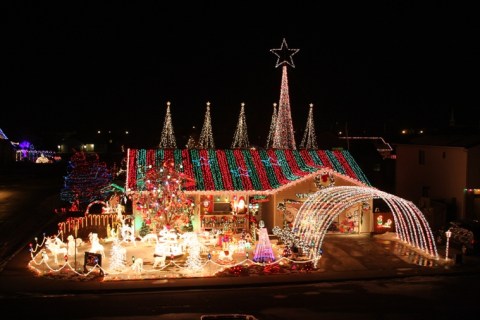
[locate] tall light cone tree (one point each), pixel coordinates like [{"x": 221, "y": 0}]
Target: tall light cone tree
[
  {"x": 309, "y": 140},
  {"x": 167, "y": 139},
  {"x": 271, "y": 133},
  {"x": 240, "y": 139},
  {"x": 284, "y": 135},
  {"x": 206, "y": 136}
]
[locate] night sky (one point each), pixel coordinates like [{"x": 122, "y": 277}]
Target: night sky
[{"x": 373, "y": 66}]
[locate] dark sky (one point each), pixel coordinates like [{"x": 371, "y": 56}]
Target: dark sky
[{"x": 377, "y": 66}]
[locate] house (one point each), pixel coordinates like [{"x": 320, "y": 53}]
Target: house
[
  {"x": 232, "y": 185},
  {"x": 441, "y": 174},
  {"x": 7, "y": 152}
]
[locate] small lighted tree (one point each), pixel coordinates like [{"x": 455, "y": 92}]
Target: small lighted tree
[
  {"x": 309, "y": 140},
  {"x": 273, "y": 123},
  {"x": 206, "y": 136},
  {"x": 263, "y": 249},
  {"x": 194, "y": 261},
  {"x": 118, "y": 256},
  {"x": 167, "y": 139},
  {"x": 240, "y": 139}
]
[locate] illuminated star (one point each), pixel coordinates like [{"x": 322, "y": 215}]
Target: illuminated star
[{"x": 284, "y": 54}]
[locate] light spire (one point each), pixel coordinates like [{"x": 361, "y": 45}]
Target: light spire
[
  {"x": 240, "y": 139},
  {"x": 167, "y": 139},
  {"x": 309, "y": 140},
  {"x": 284, "y": 135},
  {"x": 271, "y": 133},
  {"x": 206, "y": 136}
]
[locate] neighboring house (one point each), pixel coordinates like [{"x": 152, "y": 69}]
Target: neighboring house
[
  {"x": 263, "y": 178},
  {"x": 440, "y": 173},
  {"x": 107, "y": 144},
  {"x": 7, "y": 152}
]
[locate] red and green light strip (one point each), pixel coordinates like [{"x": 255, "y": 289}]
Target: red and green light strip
[{"x": 240, "y": 169}]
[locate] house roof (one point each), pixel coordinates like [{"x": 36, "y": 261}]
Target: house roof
[
  {"x": 247, "y": 170},
  {"x": 449, "y": 140}
]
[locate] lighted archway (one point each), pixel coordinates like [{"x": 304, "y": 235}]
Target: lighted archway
[{"x": 319, "y": 211}]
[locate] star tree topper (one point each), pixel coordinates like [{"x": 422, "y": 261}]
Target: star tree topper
[{"x": 284, "y": 54}]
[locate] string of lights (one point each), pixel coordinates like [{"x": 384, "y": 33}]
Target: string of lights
[
  {"x": 167, "y": 140},
  {"x": 244, "y": 169}
]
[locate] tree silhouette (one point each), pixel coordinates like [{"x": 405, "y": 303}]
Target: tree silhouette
[{"x": 86, "y": 181}]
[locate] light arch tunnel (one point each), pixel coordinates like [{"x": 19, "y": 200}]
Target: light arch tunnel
[{"x": 320, "y": 210}]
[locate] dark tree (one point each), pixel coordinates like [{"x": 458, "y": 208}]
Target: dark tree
[{"x": 87, "y": 180}]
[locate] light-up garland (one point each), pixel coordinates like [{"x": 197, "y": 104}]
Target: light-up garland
[
  {"x": 317, "y": 214},
  {"x": 261, "y": 173},
  {"x": 223, "y": 167},
  {"x": 287, "y": 170},
  {"x": 206, "y": 170},
  {"x": 253, "y": 174},
  {"x": 244, "y": 169},
  {"x": 278, "y": 169},
  {"x": 299, "y": 159},
  {"x": 246, "y": 181},
  {"x": 215, "y": 168},
  {"x": 121, "y": 270},
  {"x": 320, "y": 210}
]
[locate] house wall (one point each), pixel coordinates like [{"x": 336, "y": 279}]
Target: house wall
[
  {"x": 274, "y": 217},
  {"x": 472, "y": 205},
  {"x": 268, "y": 211},
  {"x": 439, "y": 174}
]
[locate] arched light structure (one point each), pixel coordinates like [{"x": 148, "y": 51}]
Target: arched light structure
[{"x": 319, "y": 211}]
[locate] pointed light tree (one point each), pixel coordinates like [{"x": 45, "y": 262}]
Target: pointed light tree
[
  {"x": 206, "y": 136},
  {"x": 167, "y": 139},
  {"x": 118, "y": 256},
  {"x": 284, "y": 136},
  {"x": 271, "y": 133},
  {"x": 309, "y": 140},
  {"x": 263, "y": 248},
  {"x": 240, "y": 139}
]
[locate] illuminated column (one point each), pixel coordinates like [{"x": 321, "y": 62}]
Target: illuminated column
[{"x": 448, "y": 233}]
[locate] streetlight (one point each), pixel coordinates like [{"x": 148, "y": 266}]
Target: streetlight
[{"x": 448, "y": 233}]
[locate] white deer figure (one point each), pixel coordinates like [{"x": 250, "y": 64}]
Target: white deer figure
[
  {"x": 151, "y": 237},
  {"x": 54, "y": 246},
  {"x": 137, "y": 266},
  {"x": 73, "y": 244},
  {"x": 96, "y": 247},
  {"x": 127, "y": 232},
  {"x": 159, "y": 255}
]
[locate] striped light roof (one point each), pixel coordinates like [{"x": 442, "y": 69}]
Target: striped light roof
[{"x": 260, "y": 171}]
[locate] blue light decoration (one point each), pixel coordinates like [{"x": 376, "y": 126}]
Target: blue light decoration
[{"x": 25, "y": 145}]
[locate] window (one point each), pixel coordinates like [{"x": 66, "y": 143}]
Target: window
[
  {"x": 425, "y": 191},
  {"x": 421, "y": 157}
]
